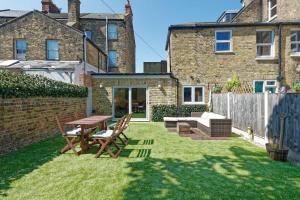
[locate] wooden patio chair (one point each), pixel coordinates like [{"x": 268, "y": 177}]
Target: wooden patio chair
[
  {"x": 108, "y": 137},
  {"x": 72, "y": 137},
  {"x": 126, "y": 126}
]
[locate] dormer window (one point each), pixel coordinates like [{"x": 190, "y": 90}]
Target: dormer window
[{"x": 272, "y": 9}]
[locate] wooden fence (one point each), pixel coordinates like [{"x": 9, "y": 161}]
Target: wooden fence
[{"x": 262, "y": 113}]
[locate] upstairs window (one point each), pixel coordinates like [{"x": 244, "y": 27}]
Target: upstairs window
[
  {"x": 112, "y": 58},
  {"x": 52, "y": 50},
  {"x": 112, "y": 31},
  {"x": 193, "y": 94},
  {"x": 88, "y": 34},
  {"x": 272, "y": 9},
  {"x": 295, "y": 42},
  {"x": 223, "y": 41},
  {"x": 265, "y": 43},
  {"x": 21, "y": 49}
]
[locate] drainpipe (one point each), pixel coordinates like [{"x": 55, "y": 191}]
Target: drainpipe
[
  {"x": 106, "y": 35},
  {"x": 280, "y": 76},
  {"x": 84, "y": 50}
]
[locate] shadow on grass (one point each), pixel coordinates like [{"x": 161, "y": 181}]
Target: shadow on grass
[
  {"x": 243, "y": 175},
  {"x": 17, "y": 164}
]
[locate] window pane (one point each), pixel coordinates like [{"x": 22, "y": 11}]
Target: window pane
[
  {"x": 264, "y": 50},
  {"x": 259, "y": 86},
  {"x": 273, "y": 3},
  {"x": 270, "y": 89},
  {"x": 187, "y": 94},
  {"x": 295, "y": 48},
  {"x": 21, "y": 49},
  {"x": 272, "y": 83},
  {"x": 52, "y": 50},
  {"x": 88, "y": 34},
  {"x": 273, "y": 12},
  {"x": 112, "y": 31},
  {"x": 224, "y": 46},
  {"x": 223, "y": 36},
  {"x": 295, "y": 36},
  {"x": 198, "y": 94},
  {"x": 112, "y": 58},
  {"x": 264, "y": 37}
]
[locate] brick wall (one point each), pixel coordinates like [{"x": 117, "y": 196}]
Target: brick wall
[
  {"x": 36, "y": 28},
  {"x": 25, "y": 121},
  {"x": 124, "y": 45},
  {"x": 102, "y": 97},
  {"x": 194, "y": 61}
]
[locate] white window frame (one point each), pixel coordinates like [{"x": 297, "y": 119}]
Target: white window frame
[
  {"x": 295, "y": 42},
  {"x": 272, "y": 55},
  {"x": 193, "y": 102},
  {"x": 116, "y": 32},
  {"x": 270, "y": 10},
  {"x": 16, "y": 50},
  {"x": 223, "y": 41},
  {"x": 265, "y": 85}
]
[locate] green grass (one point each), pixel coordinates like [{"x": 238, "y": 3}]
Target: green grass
[{"x": 156, "y": 165}]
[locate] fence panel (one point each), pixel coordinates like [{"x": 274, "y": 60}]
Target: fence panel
[
  {"x": 220, "y": 101},
  {"x": 248, "y": 110}
]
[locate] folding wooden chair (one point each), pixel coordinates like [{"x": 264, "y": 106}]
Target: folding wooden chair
[
  {"x": 126, "y": 125},
  {"x": 72, "y": 137},
  {"x": 108, "y": 137}
]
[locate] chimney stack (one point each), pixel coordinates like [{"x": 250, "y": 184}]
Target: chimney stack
[
  {"x": 74, "y": 13},
  {"x": 49, "y": 7},
  {"x": 128, "y": 9}
]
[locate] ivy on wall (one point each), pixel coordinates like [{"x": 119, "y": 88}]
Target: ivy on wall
[{"x": 23, "y": 86}]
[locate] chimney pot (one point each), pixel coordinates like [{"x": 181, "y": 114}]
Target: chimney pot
[
  {"x": 49, "y": 7},
  {"x": 74, "y": 13}
]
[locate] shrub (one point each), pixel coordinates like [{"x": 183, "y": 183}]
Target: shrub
[
  {"x": 24, "y": 86},
  {"x": 296, "y": 87},
  {"x": 233, "y": 83},
  {"x": 161, "y": 111},
  {"x": 217, "y": 89}
]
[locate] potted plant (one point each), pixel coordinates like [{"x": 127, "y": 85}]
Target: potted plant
[
  {"x": 234, "y": 82},
  {"x": 275, "y": 147},
  {"x": 217, "y": 89}
]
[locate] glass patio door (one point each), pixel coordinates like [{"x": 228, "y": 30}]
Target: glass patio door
[{"x": 130, "y": 100}]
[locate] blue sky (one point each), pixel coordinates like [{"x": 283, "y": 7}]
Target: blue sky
[{"x": 151, "y": 17}]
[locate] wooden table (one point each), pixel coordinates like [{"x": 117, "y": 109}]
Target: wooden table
[{"x": 89, "y": 122}]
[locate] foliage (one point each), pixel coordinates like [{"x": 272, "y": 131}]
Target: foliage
[
  {"x": 217, "y": 89},
  {"x": 161, "y": 111},
  {"x": 24, "y": 86},
  {"x": 296, "y": 87},
  {"x": 233, "y": 83}
]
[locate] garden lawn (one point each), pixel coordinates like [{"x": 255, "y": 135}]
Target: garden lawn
[{"x": 155, "y": 165}]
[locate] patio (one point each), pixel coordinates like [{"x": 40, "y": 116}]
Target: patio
[{"x": 156, "y": 164}]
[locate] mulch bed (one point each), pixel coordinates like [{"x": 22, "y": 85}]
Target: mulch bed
[{"x": 196, "y": 134}]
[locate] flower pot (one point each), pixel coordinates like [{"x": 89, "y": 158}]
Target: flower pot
[{"x": 276, "y": 154}]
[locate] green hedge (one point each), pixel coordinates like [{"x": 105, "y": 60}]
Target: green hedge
[
  {"x": 24, "y": 86},
  {"x": 161, "y": 111}
]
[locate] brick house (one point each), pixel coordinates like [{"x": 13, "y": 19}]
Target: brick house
[
  {"x": 52, "y": 43},
  {"x": 260, "y": 43}
]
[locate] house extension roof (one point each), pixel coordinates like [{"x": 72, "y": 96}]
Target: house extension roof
[
  {"x": 39, "y": 64},
  {"x": 100, "y": 16}
]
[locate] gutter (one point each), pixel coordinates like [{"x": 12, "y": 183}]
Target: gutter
[{"x": 84, "y": 53}]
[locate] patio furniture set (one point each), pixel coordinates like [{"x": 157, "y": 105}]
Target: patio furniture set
[
  {"x": 211, "y": 124},
  {"x": 89, "y": 131}
]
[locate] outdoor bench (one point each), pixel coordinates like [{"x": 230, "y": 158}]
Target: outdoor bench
[{"x": 211, "y": 124}]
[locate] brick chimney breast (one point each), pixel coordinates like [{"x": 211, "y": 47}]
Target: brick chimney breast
[
  {"x": 49, "y": 7},
  {"x": 74, "y": 13},
  {"x": 128, "y": 9}
]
